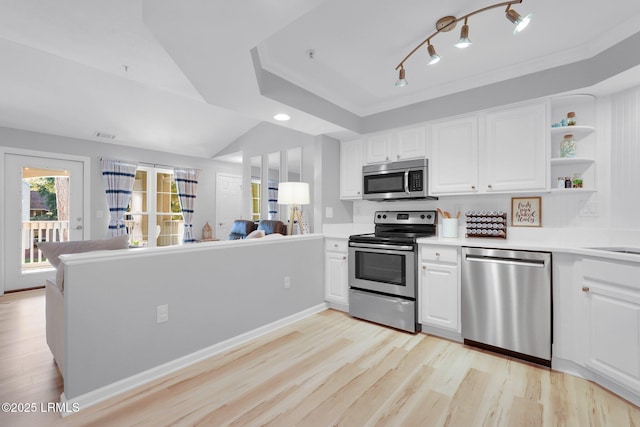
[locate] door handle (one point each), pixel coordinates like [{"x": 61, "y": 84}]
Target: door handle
[{"x": 79, "y": 227}]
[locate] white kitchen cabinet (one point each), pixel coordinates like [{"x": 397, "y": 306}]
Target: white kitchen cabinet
[
  {"x": 379, "y": 148},
  {"x": 611, "y": 326},
  {"x": 410, "y": 144},
  {"x": 453, "y": 163},
  {"x": 351, "y": 169},
  {"x": 515, "y": 148},
  {"x": 401, "y": 144},
  {"x": 336, "y": 272},
  {"x": 439, "y": 288}
]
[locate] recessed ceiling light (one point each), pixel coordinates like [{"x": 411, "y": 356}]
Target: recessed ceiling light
[{"x": 282, "y": 117}]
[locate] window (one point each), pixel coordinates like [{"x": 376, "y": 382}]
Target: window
[{"x": 154, "y": 217}]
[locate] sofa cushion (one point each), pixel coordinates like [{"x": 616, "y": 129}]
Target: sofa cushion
[{"x": 53, "y": 250}]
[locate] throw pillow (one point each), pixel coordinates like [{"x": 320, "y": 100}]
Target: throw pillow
[{"x": 255, "y": 234}]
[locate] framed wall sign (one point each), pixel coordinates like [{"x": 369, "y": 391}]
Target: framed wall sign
[{"x": 526, "y": 211}]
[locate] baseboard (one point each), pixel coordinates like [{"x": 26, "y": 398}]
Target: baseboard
[
  {"x": 572, "y": 368},
  {"x": 103, "y": 393}
]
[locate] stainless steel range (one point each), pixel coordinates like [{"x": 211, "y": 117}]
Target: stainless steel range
[{"x": 383, "y": 268}]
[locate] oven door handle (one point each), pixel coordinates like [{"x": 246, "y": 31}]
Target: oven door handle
[
  {"x": 406, "y": 181},
  {"x": 381, "y": 246}
]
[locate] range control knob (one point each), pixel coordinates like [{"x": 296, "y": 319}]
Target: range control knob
[
  {"x": 429, "y": 216},
  {"x": 422, "y": 216},
  {"x": 379, "y": 216},
  {"x": 384, "y": 217}
]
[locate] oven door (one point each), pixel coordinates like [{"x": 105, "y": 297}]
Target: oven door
[{"x": 385, "y": 268}]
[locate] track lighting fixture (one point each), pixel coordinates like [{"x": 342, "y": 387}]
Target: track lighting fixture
[
  {"x": 401, "y": 80},
  {"x": 448, "y": 23},
  {"x": 464, "y": 37},
  {"x": 520, "y": 22},
  {"x": 434, "y": 58}
]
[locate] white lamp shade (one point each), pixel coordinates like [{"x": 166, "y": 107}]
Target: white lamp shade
[{"x": 293, "y": 193}]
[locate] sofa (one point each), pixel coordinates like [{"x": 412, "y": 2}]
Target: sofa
[
  {"x": 54, "y": 286},
  {"x": 244, "y": 229}
]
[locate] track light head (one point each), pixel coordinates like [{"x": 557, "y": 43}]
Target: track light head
[
  {"x": 434, "y": 58},
  {"x": 464, "y": 40},
  {"x": 401, "y": 80},
  {"x": 520, "y": 22}
]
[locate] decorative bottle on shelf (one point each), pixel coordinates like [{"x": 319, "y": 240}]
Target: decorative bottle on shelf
[
  {"x": 560, "y": 183},
  {"x": 568, "y": 146},
  {"x": 577, "y": 180},
  {"x": 571, "y": 118}
]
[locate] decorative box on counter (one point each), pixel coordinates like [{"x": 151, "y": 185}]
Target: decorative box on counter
[{"x": 486, "y": 224}]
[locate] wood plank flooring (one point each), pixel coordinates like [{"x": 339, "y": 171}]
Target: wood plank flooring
[{"x": 326, "y": 370}]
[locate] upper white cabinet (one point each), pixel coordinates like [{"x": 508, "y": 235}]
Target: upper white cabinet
[
  {"x": 410, "y": 143},
  {"x": 501, "y": 150},
  {"x": 515, "y": 148},
  {"x": 402, "y": 144},
  {"x": 351, "y": 169},
  {"x": 453, "y": 163}
]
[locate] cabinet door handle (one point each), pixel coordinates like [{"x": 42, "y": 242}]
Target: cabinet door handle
[
  {"x": 489, "y": 186},
  {"x": 473, "y": 187},
  {"x": 585, "y": 289},
  {"x": 437, "y": 253},
  {"x": 424, "y": 267},
  {"x": 344, "y": 257}
]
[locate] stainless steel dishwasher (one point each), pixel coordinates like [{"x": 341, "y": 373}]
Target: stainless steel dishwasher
[{"x": 506, "y": 302}]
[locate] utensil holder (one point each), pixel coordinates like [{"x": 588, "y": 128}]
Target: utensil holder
[{"x": 449, "y": 227}]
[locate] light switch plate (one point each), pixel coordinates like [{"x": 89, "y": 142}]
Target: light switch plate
[{"x": 162, "y": 313}]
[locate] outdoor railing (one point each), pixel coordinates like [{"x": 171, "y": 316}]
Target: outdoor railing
[{"x": 40, "y": 231}]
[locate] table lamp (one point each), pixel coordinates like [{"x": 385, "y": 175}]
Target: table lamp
[{"x": 295, "y": 194}]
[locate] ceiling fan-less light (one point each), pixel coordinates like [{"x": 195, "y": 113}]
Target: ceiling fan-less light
[{"x": 448, "y": 23}]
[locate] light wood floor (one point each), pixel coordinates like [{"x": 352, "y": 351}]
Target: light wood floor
[{"x": 326, "y": 370}]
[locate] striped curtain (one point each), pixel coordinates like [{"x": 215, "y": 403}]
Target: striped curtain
[
  {"x": 187, "y": 183},
  {"x": 118, "y": 177},
  {"x": 272, "y": 200}
]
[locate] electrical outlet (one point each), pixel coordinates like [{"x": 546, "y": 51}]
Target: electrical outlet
[
  {"x": 328, "y": 212},
  {"x": 590, "y": 209},
  {"x": 287, "y": 282},
  {"x": 162, "y": 313}
]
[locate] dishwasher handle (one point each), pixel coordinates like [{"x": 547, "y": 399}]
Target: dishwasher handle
[{"x": 507, "y": 261}]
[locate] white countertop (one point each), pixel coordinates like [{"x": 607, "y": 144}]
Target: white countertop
[{"x": 574, "y": 241}]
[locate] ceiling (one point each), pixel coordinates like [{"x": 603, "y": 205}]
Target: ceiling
[{"x": 192, "y": 76}]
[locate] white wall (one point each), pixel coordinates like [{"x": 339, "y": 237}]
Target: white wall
[
  {"x": 205, "y": 204},
  {"x": 215, "y": 291}
]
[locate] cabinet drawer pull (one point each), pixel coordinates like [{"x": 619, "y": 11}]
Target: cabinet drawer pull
[
  {"x": 335, "y": 245},
  {"x": 585, "y": 289},
  {"x": 489, "y": 185},
  {"x": 424, "y": 267},
  {"x": 437, "y": 253},
  {"x": 473, "y": 187},
  {"x": 344, "y": 257}
]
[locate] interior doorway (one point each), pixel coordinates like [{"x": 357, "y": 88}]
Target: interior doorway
[
  {"x": 43, "y": 201},
  {"x": 228, "y": 203}
]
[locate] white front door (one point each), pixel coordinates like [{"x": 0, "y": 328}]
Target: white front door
[
  {"x": 228, "y": 203},
  {"x": 32, "y": 215}
]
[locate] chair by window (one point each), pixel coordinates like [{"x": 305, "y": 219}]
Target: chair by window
[{"x": 240, "y": 229}]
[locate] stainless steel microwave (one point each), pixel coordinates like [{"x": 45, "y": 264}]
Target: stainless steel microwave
[{"x": 407, "y": 179}]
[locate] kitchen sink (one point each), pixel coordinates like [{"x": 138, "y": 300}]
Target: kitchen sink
[{"x": 633, "y": 251}]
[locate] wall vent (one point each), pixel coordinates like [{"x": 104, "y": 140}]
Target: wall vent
[{"x": 104, "y": 135}]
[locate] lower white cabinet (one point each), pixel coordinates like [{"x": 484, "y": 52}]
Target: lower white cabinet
[
  {"x": 336, "y": 271},
  {"x": 439, "y": 287},
  {"x": 612, "y": 320}
]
